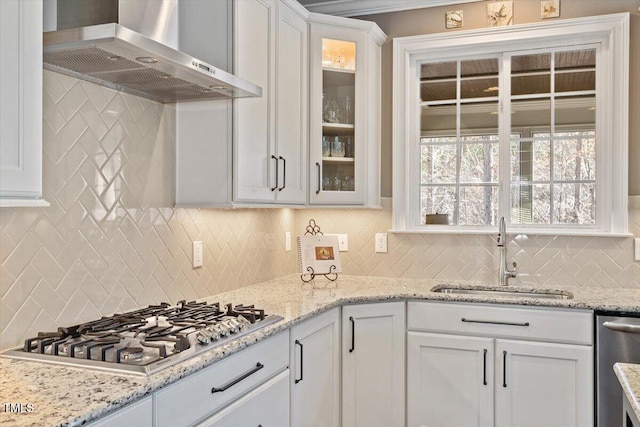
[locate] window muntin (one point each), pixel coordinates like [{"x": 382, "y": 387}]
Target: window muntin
[{"x": 552, "y": 176}]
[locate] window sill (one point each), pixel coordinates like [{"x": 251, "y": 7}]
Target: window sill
[{"x": 513, "y": 231}]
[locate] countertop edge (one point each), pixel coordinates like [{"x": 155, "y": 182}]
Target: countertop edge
[
  {"x": 629, "y": 376},
  {"x": 357, "y": 289}
]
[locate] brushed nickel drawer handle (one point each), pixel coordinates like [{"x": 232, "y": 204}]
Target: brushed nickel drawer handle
[
  {"x": 237, "y": 380},
  {"x": 622, "y": 327},
  {"x": 493, "y": 322}
]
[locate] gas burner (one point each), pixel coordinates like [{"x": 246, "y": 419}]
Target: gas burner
[
  {"x": 131, "y": 353},
  {"x": 146, "y": 340}
]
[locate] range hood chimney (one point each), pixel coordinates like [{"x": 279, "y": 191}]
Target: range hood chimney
[{"x": 91, "y": 44}]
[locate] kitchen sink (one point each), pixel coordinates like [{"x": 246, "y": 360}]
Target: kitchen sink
[{"x": 505, "y": 293}]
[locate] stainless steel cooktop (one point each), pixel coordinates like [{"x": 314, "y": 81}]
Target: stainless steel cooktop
[{"x": 147, "y": 340}]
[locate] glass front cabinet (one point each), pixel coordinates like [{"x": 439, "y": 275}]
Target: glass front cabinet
[{"x": 344, "y": 112}]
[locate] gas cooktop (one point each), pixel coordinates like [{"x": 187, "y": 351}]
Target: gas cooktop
[{"x": 147, "y": 340}]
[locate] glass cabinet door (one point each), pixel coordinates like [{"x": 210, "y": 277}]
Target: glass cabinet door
[
  {"x": 336, "y": 143},
  {"x": 338, "y": 91}
]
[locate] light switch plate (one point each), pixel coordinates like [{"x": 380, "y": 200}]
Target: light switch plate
[
  {"x": 196, "y": 256},
  {"x": 343, "y": 241},
  {"x": 287, "y": 241},
  {"x": 637, "y": 248}
]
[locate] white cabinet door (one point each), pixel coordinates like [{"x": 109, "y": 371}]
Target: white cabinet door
[
  {"x": 291, "y": 106},
  {"x": 21, "y": 103},
  {"x": 266, "y": 406},
  {"x": 139, "y": 414},
  {"x": 253, "y": 137},
  {"x": 373, "y": 355},
  {"x": 315, "y": 371},
  {"x": 543, "y": 384},
  {"x": 270, "y": 133},
  {"x": 449, "y": 381}
]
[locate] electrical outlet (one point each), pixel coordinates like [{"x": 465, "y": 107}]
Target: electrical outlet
[
  {"x": 343, "y": 241},
  {"x": 196, "y": 258},
  {"x": 287, "y": 241},
  {"x": 381, "y": 242},
  {"x": 637, "y": 251}
]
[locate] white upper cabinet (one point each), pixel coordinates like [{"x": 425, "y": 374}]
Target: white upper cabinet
[
  {"x": 270, "y": 133},
  {"x": 21, "y": 103},
  {"x": 344, "y": 145}
]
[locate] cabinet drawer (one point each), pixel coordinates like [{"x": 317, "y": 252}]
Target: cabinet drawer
[
  {"x": 266, "y": 406},
  {"x": 192, "y": 399},
  {"x": 139, "y": 414},
  {"x": 548, "y": 324}
]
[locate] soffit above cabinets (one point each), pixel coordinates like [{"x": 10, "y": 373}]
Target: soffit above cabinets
[{"x": 350, "y": 8}]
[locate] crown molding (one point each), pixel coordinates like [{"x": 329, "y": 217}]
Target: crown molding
[{"x": 349, "y": 8}]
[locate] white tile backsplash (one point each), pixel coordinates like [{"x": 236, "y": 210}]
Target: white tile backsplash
[
  {"x": 112, "y": 241},
  {"x": 543, "y": 261}
]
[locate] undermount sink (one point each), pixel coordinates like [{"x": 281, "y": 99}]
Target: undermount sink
[{"x": 508, "y": 293}]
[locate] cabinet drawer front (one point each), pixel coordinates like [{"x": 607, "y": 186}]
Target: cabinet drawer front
[
  {"x": 548, "y": 324},
  {"x": 139, "y": 414},
  {"x": 191, "y": 399},
  {"x": 266, "y": 406}
]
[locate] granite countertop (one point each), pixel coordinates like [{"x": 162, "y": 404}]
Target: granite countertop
[
  {"x": 61, "y": 396},
  {"x": 629, "y": 376}
]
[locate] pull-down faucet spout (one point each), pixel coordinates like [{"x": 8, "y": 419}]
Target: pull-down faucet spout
[{"x": 504, "y": 273}]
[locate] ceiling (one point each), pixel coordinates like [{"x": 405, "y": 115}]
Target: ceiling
[{"x": 369, "y": 7}]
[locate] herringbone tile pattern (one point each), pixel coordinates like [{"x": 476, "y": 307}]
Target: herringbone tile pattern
[
  {"x": 542, "y": 260},
  {"x": 111, "y": 240}
]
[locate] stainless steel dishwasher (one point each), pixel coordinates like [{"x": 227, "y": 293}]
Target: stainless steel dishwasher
[{"x": 617, "y": 340}]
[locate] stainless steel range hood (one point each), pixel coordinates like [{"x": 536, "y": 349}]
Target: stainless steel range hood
[{"x": 114, "y": 56}]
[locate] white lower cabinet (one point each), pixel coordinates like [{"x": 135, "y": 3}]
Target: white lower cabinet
[
  {"x": 266, "y": 406},
  {"x": 543, "y": 384},
  {"x": 201, "y": 395},
  {"x": 315, "y": 371},
  {"x": 139, "y": 414},
  {"x": 477, "y": 379},
  {"x": 449, "y": 380},
  {"x": 373, "y": 355}
]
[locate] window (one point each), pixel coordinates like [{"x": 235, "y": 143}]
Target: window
[{"x": 521, "y": 123}]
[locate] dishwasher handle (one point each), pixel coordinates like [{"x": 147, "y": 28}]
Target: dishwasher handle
[{"x": 622, "y": 327}]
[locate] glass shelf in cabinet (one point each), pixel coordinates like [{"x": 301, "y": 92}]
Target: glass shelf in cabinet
[
  {"x": 339, "y": 70},
  {"x": 338, "y": 159}
]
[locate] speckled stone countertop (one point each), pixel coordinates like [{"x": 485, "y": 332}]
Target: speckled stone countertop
[
  {"x": 629, "y": 376},
  {"x": 66, "y": 396}
]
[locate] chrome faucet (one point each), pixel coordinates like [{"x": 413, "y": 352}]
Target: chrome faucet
[{"x": 504, "y": 273}]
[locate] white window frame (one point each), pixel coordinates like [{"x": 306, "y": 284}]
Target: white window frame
[{"x": 609, "y": 32}]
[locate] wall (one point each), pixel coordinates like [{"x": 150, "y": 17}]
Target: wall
[
  {"x": 111, "y": 240},
  {"x": 543, "y": 261},
  {"x": 432, "y": 20}
]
